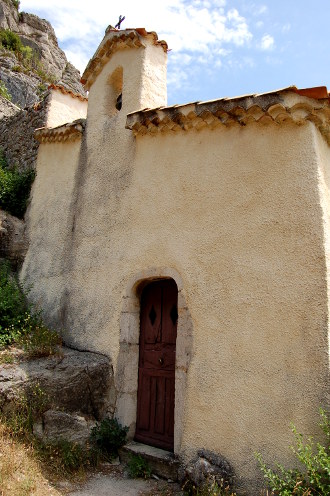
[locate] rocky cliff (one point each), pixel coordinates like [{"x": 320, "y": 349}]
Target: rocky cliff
[{"x": 26, "y": 73}]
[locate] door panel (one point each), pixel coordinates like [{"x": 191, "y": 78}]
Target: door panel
[{"x": 156, "y": 390}]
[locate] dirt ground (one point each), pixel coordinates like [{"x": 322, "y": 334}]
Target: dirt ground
[{"x": 113, "y": 480}]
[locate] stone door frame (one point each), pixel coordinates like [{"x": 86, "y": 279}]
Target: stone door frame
[{"x": 127, "y": 366}]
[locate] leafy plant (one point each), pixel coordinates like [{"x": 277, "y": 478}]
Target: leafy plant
[
  {"x": 19, "y": 323},
  {"x": 13, "y": 306},
  {"x": 108, "y": 436},
  {"x": 16, "y": 3},
  {"x": 10, "y": 40},
  {"x": 314, "y": 479},
  {"x": 41, "y": 89},
  {"x": 4, "y": 92},
  {"x": 27, "y": 56},
  {"x": 15, "y": 187},
  {"x": 138, "y": 467}
]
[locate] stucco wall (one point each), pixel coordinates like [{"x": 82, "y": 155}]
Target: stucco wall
[
  {"x": 49, "y": 221},
  {"x": 236, "y": 216},
  {"x": 64, "y": 108},
  {"x": 323, "y": 152},
  {"x": 242, "y": 225}
]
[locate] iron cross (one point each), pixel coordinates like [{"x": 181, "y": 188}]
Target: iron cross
[{"x": 121, "y": 19}]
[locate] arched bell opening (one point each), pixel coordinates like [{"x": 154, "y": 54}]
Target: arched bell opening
[{"x": 114, "y": 99}]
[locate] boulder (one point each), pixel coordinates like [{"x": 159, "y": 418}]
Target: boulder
[
  {"x": 75, "y": 382},
  {"x": 206, "y": 468},
  {"x": 56, "y": 425}
]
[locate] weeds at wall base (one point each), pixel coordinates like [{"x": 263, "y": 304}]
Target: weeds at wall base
[
  {"x": 138, "y": 467},
  {"x": 314, "y": 478},
  {"x": 61, "y": 458},
  {"x": 210, "y": 488},
  {"x": 19, "y": 323}
]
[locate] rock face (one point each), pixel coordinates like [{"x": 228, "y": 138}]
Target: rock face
[
  {"x": 79, "y": 385},
  {"x": 7, "y": 109},
  {"x": 13, "y": 243},
  {"x": 75, "y": 381},
  {"x": 26, "y": 87}
]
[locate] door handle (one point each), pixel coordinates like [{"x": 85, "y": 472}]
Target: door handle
[{"x": 161, "y": 361}]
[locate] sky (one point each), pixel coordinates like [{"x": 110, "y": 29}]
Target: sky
[{"x": 218, "y": 48}]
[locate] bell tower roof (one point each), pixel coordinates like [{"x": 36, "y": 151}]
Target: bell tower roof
[{"x": 113, "y": 41}]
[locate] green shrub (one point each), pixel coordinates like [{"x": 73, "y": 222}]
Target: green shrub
[
  {"x": 16, "y": 3},
  {"x": 66, "y": 457},
  {"x": 13, "y": 306},
  {"x": 3, "y": 160},
  {"x": 108, "y": 436},
  {"x": 314, "y": 479},
  {"x": 41, "y": 89},
  {"x": 138, "y": 467},
  {"x": 15, "y": 187},
  {"x": 4, "y": 92},
  {"x": 10, "y": 40},
  {"x": 19, "y": 323},
  {"x": 26, "y": 55}
]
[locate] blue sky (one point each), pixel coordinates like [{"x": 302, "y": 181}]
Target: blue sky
[{"x": 218, "y": 47}]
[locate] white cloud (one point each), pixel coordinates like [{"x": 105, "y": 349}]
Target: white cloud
[
  {"x": 267, "y": 42},
  {"x": 286, "y": 28},
  {"x": 261, "y": 10},
  {"x": 190, "y": 27}
]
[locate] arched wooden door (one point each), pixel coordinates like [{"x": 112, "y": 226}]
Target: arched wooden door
[{"x": 158, "y": 329}]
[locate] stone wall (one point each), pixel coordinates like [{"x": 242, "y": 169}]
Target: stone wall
[{"x": 16, "y": 134}]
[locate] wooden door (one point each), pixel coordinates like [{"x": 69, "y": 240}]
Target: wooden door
[{"x": 158, "y": 327}]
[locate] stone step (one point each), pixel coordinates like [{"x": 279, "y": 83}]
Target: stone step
[{"x": 162, "y": 463}]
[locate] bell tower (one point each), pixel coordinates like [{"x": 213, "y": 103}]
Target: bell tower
[{"x": 126, "y": 73}]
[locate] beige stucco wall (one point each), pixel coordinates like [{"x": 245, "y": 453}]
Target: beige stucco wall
[
  {"x": 50, "y": 223},
  {"x": 238, "y": 216},
  {"x": 63, "y": 108},
  {"x": 242, "y": 225},
  {"x": 323, "y": 153}
]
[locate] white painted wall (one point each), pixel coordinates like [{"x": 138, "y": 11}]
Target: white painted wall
[{"x": 64, "y": 108}]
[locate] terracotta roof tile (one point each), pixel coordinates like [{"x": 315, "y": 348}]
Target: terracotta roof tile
[
  {"x": 318, "y": 92},
  {"x": 62, "y": 133},
  {"x": 286, "y": 104},
  {"x": 116, "y": 40},
  {"x": 65, "y": 91}
]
